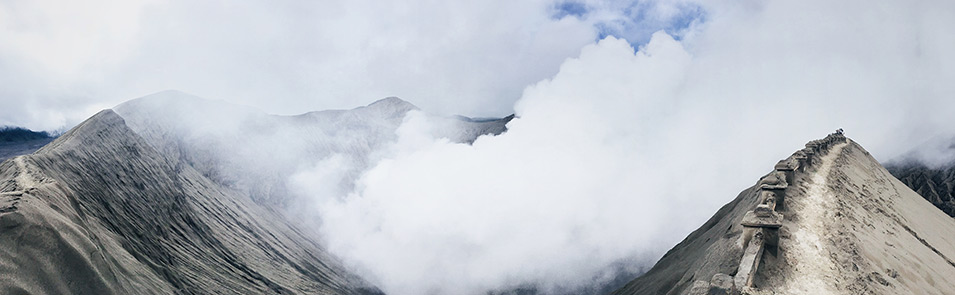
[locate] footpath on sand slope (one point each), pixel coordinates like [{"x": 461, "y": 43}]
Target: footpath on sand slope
[
  {"x": 814, "y": 262},
  {"x": 797, "y": 183},
  {"x": 827, "y": 220}
]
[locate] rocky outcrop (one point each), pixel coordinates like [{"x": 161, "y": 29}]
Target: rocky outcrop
[
  {"x": 838, "y": 224},
  {"x": 929, "y": 170},
  {"x": 935, "y": 184},
  {"x": 100, "y": 211}
]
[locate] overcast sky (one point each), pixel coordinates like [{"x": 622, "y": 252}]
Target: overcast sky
[
  {"x": 637, "y": 120},
  {"x": 62, "y": 61}
]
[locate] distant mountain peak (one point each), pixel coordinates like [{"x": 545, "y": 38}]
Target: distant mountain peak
[
  {"x": 392, "y": 102},
  {"x": 165, "y": 98},
  {"x": 171, "y": 92},
  {"x": 390, "y": 107},
  {"x": 16, "y": 134},
  {"x": 168, "y": 94}
]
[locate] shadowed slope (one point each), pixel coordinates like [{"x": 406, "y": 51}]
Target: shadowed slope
[
  {"x": 706, "y": 251},
  {"x": 99, "y": 211}
]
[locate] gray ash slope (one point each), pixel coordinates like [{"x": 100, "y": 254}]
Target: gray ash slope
[
  {"x": 847, "y": 227},
  {"x": 165, "y": 200},
  {"x": 100, "y": 211}
]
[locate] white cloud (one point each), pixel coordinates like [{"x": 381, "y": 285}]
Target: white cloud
[
  {"x": 462, "y": 57},
  {"x": 622, "y": 153},
  {"x": 537, "y": 204},
  {"x": 470, "y": 58},
  {"x": 53, "y": 53},
  {"x": 64, "y": 39}
]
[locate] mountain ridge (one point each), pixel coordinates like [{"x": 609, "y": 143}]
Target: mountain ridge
[
  {"x": 845, "y": 226},
  {"x": 98, "y": 211},
  {"x": 167, "y": 206},
  {"x": 15, "y": 141}
]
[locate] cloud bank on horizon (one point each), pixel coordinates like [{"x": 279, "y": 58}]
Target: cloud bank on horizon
[
  {"x": 62, "y": 62},
  {"x": 626, "y": 150}
]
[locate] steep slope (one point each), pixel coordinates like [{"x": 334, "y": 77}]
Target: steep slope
[
  {"x": 929, "y": 170},
  {"x": 845, "y": 226},
  {"x": 228, "y": 143},
  {"x": 100, "y": 211}
]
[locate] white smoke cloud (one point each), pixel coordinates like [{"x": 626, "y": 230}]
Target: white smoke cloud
[
  {"x": 614, "y": 159},
  {"x": 540, "y": 203},
  {"x": 624, "y": 151},
  {"x": 62, "y": 62}
]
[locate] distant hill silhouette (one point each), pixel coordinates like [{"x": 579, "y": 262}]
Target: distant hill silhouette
[
  {"x": 14, "y": 134},
  {"x": 15, "y": 141}
]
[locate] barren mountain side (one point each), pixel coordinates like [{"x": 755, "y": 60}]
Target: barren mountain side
[
  {"x": 844, "y": 226},
  {"x": 99, "y": 211}
]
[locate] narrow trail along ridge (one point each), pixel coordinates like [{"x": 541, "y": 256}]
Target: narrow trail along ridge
[
  {"x": 808, "y": 238},
  {"x": 829, "y": 219}
]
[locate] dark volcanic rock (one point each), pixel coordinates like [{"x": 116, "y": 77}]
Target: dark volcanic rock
[
  {"x": 15, "y": 141},
  {"x": 13, "y": 134},
  {"x": 100, "y": 211},
  {"x": 934, "y": 184}
]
